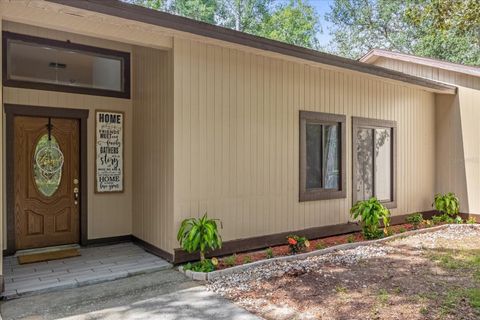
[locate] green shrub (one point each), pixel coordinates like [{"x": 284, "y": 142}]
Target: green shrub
[
  {"x": 371, "y": 213},
  {"x": 269, "y": 253},
  {"x": 206, "y": 265},
  {"x": 471, "y": 220},
  {"x": 415, "y": 219},
  {"x": 199, "y": 235},
  {"x": 320, "y": 245},
  {"x": 447, "y": 204},
  {"x": 458, "y": 220},
  {"x": 247, "y": 259},
  {"x": 444, "y": 218},
  {"x": 351, "y": 238},
  {"x": 401, "y": 230},
  {"x": 230, "y": 260},
  {"x": 297, "y": 244}
]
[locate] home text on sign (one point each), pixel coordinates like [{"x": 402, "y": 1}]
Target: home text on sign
[{"x": 109, "y": 151}]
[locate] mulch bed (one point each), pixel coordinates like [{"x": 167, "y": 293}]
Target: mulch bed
[{"x": 315, "y": 244}]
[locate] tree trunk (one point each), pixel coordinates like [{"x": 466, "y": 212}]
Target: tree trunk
[{"x": 202, "y": 256}]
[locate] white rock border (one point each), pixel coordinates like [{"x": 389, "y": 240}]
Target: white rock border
[{"x": 205, "y": 276}]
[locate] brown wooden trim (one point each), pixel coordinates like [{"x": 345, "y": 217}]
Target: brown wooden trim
[
  {"x": 125, "y": 56},
  {"x": 13, "y": 110},
  {"x": 153, "y": 249},
  {"x": 373, "y": 54},
  {"x": 256, "y": 243},
  {"x": 123, "y": 152},
  {"x": 358, "y": 122},
  {"x": 155, "y": 17},
  {"x": 321, "y": 194},
  {"x": 109, "y": 240}
]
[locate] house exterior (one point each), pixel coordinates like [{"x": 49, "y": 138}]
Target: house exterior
[
  {"x": 119, "y": 122},
  {"x": 457, "y": 131}
]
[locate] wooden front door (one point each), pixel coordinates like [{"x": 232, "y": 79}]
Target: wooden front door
[{"x": 46, "y": 181}]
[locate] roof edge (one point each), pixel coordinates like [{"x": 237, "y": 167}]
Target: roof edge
[
  {"x": 162, "y": 19},
  {"x": 372, "y": 55}
]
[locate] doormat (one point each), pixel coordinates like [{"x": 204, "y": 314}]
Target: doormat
[{"x": 47, "y": 256}]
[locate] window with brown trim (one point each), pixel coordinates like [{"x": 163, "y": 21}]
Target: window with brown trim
[
  {"x": 322, "y": 156},
  {"x": 46, "y": 64},
  {"x": 374, "y": 160}
]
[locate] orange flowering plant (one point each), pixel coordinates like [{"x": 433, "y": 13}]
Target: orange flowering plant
[{"x": 297, "y": 243}]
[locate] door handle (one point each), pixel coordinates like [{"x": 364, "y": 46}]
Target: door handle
[{"x": 75, "y": 195}]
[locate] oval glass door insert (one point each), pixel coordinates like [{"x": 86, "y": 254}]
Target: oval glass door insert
[{"x": 47, "y": 165}]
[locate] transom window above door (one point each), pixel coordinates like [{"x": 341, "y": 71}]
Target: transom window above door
[
  {"x": 374, "y": 160},
  {"x": 46, "y": 64},
  {"x": 322, "y": 156}
]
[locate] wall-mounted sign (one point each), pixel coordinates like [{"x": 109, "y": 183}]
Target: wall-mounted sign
[{"x": 109, "y": 151}]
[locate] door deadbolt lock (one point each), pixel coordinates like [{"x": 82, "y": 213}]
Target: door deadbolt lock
[{"x": 75, "y": 195}]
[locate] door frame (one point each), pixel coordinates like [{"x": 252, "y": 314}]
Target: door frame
[{"x": 13, "y": 110}]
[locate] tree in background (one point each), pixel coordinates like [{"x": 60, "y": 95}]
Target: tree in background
[
  {"x": 290, "y": 21},
  {"x": 295, "y": 23},
  {"x": 446, "y": 29},
  {"x": 442, "y": 29},
  {"x": 244, "y": 15},
  {"x": 361, "y": 25}
]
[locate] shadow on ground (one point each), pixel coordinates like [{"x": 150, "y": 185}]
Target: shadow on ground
[{"x": 161, "y": 295}]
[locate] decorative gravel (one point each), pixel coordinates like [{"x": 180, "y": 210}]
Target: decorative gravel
[
  {"x": 432, "y": 240},
  {"x": 250, "y": 278}
]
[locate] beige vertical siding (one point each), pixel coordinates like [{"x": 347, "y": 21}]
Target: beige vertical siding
[
  {"x": 108, "y": 214},
  {"x": 450, "y": 159},
  {"x": 153, "y": 147},
  {"x": 469, "y": 101},
  {"x": 236, "y": 137},
  {"x": 2, "y": 170},
  {"x": 429, "y": 72}
]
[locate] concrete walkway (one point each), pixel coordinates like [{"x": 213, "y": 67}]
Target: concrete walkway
[
  {"x": 166, "y": 295},
  {"x": 96, "y": 264}
]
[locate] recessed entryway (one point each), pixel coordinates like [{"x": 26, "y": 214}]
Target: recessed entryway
[
  {"x": 96, "y": 264},
  {"x": 46, "y": 177}
]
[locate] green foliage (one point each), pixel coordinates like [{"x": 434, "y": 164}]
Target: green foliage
[
  {"x": 371, "y": 214},
  {"x": 458, "y": 220},
  {"x": 320, "y": 245},
  {"x": 205, "y": 265},
  {"x": 415, "y": 219},
  {"x": 361, "y": 25},
  {"x": 295, "y": 22},
  {"x": 351, "y": 238},
  {"x": 447, "y": 203},
  {"x": 247, "y": 259},
  {"x": 297, "y": 243},
  {"x": 471, "y": 220},
  {"x": 401, "y": 230},
  {"x": 444, "y": 218},
  {"x": 199, "y": 235},
  {"x": 269, "y": 253},
  {"x": 230, "y": 260},
  {"x": 202, "y": 10},
  {"x": 442, "y": 29},
  {"x": 292, "y": 21}
]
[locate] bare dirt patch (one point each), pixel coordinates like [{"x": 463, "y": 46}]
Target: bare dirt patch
[{"x": 427, "y": 276}]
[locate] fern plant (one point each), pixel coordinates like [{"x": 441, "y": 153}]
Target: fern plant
[
  {"x": 447, "y": 203},
  {"x": 371, "y": 213},
  {"x": 199, "y": 234}
]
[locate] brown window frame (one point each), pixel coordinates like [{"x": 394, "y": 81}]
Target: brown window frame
[
  {"x": 125, "y": 56},
  {"x": 359, "y": 122},
  {"x": 320, "y": 193}
]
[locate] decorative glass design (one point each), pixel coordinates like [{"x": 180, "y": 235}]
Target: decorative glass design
[{"x": 47, "y": 165}]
